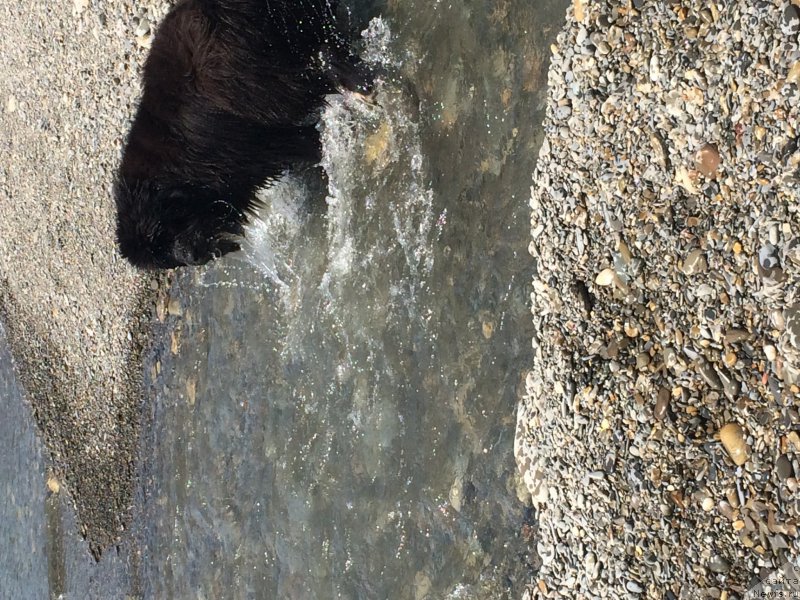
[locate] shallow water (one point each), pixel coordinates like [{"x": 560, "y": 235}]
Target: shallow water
[{"x": 332, "y": 413}]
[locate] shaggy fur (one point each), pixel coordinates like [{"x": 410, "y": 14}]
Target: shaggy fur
[{"x": 230, "y": 91}]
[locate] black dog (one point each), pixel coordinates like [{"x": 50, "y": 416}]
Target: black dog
[{"x": 230, "y": 91}]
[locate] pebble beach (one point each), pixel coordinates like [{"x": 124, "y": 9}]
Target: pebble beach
[{"x": 659, "y": 438}]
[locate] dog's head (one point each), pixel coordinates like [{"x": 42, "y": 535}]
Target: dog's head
[{"x": 165, "y": 226}]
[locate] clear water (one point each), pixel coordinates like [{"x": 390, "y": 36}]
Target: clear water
[{"x": 332, "y": 414}]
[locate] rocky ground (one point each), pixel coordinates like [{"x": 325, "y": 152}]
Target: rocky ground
[
  {"x": 68, "y": 303},
  {"x": 660, "y": 435}
]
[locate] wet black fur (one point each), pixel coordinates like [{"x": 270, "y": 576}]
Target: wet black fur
[{"x": 230, "y": 90}]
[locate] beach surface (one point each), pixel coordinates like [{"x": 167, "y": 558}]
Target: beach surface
[{"x": 74, "y": 313}]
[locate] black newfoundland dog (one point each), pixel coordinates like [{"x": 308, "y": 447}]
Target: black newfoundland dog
[{"x": 231, "y": 91}]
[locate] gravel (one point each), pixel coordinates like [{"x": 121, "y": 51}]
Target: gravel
[
  {"x": 73, "y": 312},
  {"x": 659, "y": 437}
]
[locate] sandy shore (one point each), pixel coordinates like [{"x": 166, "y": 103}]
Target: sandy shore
[{"x": 73, "y": 311}]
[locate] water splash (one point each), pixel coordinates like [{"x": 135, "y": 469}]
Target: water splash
[
  {"x": 271, "y": 236},
  {"x": 373, "y": 155},
  {"x": 379, "y": 202}
]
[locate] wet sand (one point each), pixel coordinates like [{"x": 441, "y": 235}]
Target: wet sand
[{"x": 74, "y": 313}]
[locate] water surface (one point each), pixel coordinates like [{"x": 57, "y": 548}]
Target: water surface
[{"x": 331, "y": 414}]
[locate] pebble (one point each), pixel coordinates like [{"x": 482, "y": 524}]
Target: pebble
[
  {"x": 708, "y": 160},
  {"x": 695, "y": 263},
  {"x": 735, "y": 336},
  {"x": 732, "y": 438},
  {"x": 719, "y": 564},
  {"x": 709, "y": 375},
  {"x": 783, "y": 467},
  {"x": 662, "y": 404},
  {"x": 174, "y": 307},
  {"x": 605, "y": 277},
  {"x": 634, "y": 587},
  {"x": 592, "y": 567},
  {"x": 142, "y": 28}
]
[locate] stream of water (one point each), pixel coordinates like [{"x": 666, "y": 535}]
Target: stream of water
[{"x": 331, "y": 415}]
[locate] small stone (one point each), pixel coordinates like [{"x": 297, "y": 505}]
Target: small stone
[
  {"x": 730, "y": 385},
  {"x": 562, "y": 113},
  {"x": 708, "y": 160},
  {"x": 174, "y": 307},
  {"x": 726, "y": 510},
  {"x": 770, "y": 352},
  {"x": 605, "y": 277},
  {"x": 143, "y": 28},
  {"x": 794, "y": 74},
  {"x": 737, "y": 248},
  {"x": 631, "y": 330},
  {"x": 719, "y": 564},
  {"x": 729, "y": 359},
  {"x": 695, "y": 263},
  {"x": 732, "y": 438},
  {"x": 791, "y": 19},
  {"x": 660, "y": 152},
  {"x": 11, "y": 104},
  {"x": 662, "y": 404},
  {"x": 783, "y": 467},
  {"x": 579, "y": 11},
  {"x": 144, "y": 41},
  {"x": 709, "y": 375},
  {"x": 734, "y": 336},
  {"x": 53, "y": 485},
  {"x": 703, "y": 290},
  {"x": 191, "y": 391},
  {"x": 768, "y": 264},
  {"x": 592, "y": 567},
  {"x": 778, "y": 542},
  {"x": 707, "y": 504},
  {"x": 624, "y": 252},
  {"x": 685, "y": 179},
  {"x": 642, "y": 360},
  {"x": 603, "y": 48},
  {"x": 634, "y": 587},
  {"x": 175, "y": 345}
]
